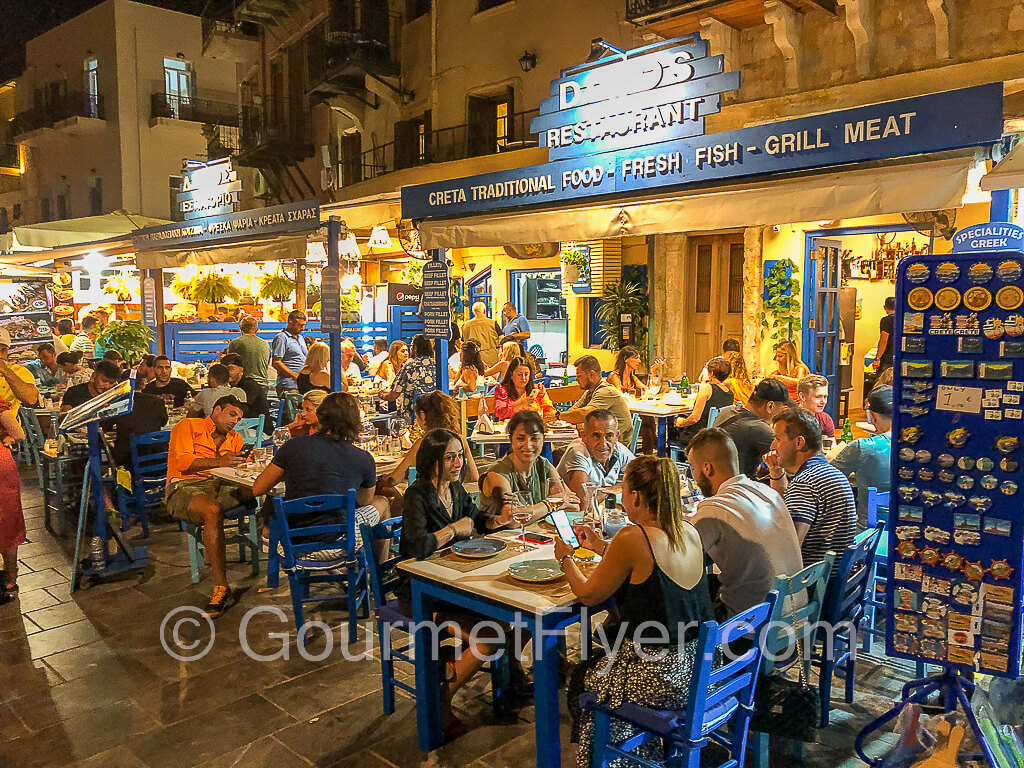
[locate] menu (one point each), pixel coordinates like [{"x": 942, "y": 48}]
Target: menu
[
  {"x": 956, "y": 524},
  {"x": 25, "y": 315}
]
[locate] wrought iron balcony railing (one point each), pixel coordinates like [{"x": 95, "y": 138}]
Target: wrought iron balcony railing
[
  {"x": 193, "y": 109},
  {"x": 69, "y": 105}
]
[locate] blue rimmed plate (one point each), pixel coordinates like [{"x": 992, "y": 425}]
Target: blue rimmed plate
[
  {"x": 536, "y": 571},
  {"x": 478, "y": 548}
]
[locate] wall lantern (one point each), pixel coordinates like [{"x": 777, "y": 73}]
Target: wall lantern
[
  {"x": 348, "y": 248},
  {"x": 528, "y": 61},
  {"x": 379, "y": 237}
]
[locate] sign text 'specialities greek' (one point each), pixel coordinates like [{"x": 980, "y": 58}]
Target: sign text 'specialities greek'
[
  {"x": 598, "y": 143},
  {"x": 989, "y": 237}
]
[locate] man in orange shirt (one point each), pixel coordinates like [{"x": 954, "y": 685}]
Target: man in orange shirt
[{"x": 197, "y": 446}]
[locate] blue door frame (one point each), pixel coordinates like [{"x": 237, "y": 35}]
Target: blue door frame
[
  {"x": 820, "y": 341},
  {"x": 478, "y": 288}
]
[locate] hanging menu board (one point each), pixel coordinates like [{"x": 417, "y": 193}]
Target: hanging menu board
[
  {"x": 956, "y": 524},
  {"x": 25, "y": 315},
  {"x": 435, "y": 304}
]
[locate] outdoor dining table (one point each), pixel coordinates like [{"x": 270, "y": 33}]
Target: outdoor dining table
[
  {"x": 246, "y": 475},
  {"x": 662, "y": 412},
  {"x": 544, "y": 610},
  {"x": 500, "y": 438}
]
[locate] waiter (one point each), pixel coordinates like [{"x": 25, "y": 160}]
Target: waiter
[{"x": 516, "y": 327}]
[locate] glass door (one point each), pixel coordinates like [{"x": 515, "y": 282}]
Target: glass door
[
  {"x": 91, "y": 87},
  {"x": 821, "y": 339},
  {"x": 179, "y": 87}
]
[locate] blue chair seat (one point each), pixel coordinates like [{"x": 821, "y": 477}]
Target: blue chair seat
[
  {"x": 392, "y": 615},
  {"x": 322, "y": 565}
]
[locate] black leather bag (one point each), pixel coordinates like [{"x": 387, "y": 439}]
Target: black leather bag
[{"x": 788, "y": 709}]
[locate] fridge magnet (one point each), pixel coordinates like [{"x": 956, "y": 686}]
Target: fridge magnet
[
  {"x": 914, "y": 344},
  {"x": 918, "y": 273},
  {"x": 1008, "y": 271},
  {"x": 1000, "y": 570},
  {"x": 969, "y": 345},
  {"x": 933, "y": 607},
  {"x": 965, "y": 593},
  {"x": 979, "y": 273},
  {"x": 907, "y": 454},
  {"x": 910, "y": 514},
  {"x": 995, "y": 662},
  {"x": 961, "y": 637},
  {"x": 1009, "y": 297},
  {"x": 947, "y": 272},
  {"x": 933, "y": 627},
  {"x": 1009, "y": 465},
  {"x": 907, "y": 550},
  {"x": 977, "y": 298},
  {"x": 995, "y": 371},
  {"x": 929, "y": 555},
  {"x": 946, "y": 476},
  {"x": 906, "y": 599},
  {"x": 1014, "y": 325},
  {"x": 967, "y": 323},
  {"x": 1013, "y": 349},
  {"x": 966, "y": 463},
  {"x": 926, "y": 474},
  {"x": 933, "y": 649},
  {"x": 936, "y": 534},
  {"x": 947, "y": 299},
  {"x": 904, "y": 644},
  {"x": 956, "y": 437},
  {"x": 946, "y": 460},
  {"x": 997, "y": 527},
  {"x": 911, "y": 435},
  {"x": 920, "y": 386},
  {"x": 954, "y": 499},
  {"x": 907, "y": 572},
  {"x": 936, "y": 585},
  {"x": 999, "y": 594},
  {"x": 966, "y": 522},
  {"x": 913, "y": 322},
  {"x": 905, "y": 623},
  {"x": 1007, "y": 444},
  {"x": 980, "y": 503},
  {"x": 1008, "y": 487},
  {"x": 940, "y": 325},
  {"x": 908, "y": 532},
  {"x": 923, "y": 456},
  {"x": 908, "y": 492},
  {"x": 906, "y": 473},
  {"x": 917, "y": 397},
  {"x": 973, "y": 571},
  {"x": 967, "y": 538},
  {"x": 957, "y": 369},
  {"x": 931, "y": 498},
  {"x": 989, "y": 482},
  {"x": 993, "y": 328},
  {"x": 985, "y": 464},
  {"x": 1014, "y": 413},
  {"x": 952, "y": 561},
  {"x": 961, "y": 655},
  {"x": 1011, "y": 399}
]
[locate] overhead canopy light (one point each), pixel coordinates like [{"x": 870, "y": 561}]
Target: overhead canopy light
[
  {"x": 348, "y": 248},
  {"x": 380, "y": 237}
]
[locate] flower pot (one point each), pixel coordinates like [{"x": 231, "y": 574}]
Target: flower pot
[{"x": 570, "y": 273}]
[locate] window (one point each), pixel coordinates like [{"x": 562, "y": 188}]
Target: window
[
  {"x": 416, "y": 8},
  {"x": 702, "y": 300},
  {"x": 479, "y": 289},
  {"x": 735, "y": 304},
  {"x": 91, "y": 87},
  {"x": 96, "y": 197},
  {"x": 45, "y": 214},
  {"x": 179, "y": 86},
  {"x": 501, "y": 124},
  {"x": 16, "y": 211},
  {"x": 484, "y": 5},
  {"x": 421, "y": 141},
  {"x": 490, "y": 122},
  {"x": 63, "y": 209}
]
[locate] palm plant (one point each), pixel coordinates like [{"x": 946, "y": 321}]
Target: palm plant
[
  {"x": 213, "y": 288},
  {"x": 276, "y": 287},
  {"x": 622, "y": 298},
  {"x": 129, "y": 337}
]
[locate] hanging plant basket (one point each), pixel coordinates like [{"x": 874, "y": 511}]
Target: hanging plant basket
[
  {"x": 276, "y": 287},
  {"x": 570, "y": 274},
  {"x": 214, "y": 288}
]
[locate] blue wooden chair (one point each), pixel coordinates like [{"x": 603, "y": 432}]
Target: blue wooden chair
[
  {"x": 288, "y": 407},
  {"x": 636, "y": 432},
  {"x": 348, "y": 568},
  {"x": 251, "y": 429},
  {"x": 781, "y": 644},
  {"x": 246, "y": 536},
  {"x": 149, "y": 478},
  {"x": 27, "y": 451},
  {"x": 843, "y": 612},
  {"x": 878, "y": 511},
  {"x": 718, "y": 707}
]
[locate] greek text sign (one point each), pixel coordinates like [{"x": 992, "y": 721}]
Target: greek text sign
[
  {"x": 937, "y": 122},
  {"x": 280, "y": 219},
  {"x": 208, "y": 188},
  {"x": 996, "y": 236}
]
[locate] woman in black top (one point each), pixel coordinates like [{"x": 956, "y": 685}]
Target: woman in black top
[
  {"x": 437, "y": 511},
  {"x": 713, "y": 394}
]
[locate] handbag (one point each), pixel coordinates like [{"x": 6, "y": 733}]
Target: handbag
[{"x": 788, "y": 709}]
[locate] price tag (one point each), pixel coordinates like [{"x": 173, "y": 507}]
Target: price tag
[
  {"x": 990, "y": 402},
  {"x": 1015, "y": 386},
  {"x": 1014, "y": 413},
  {"x": 1011, "y": 399},
  {"x": 960, "y": 399},
  {"x": 993, "y": 415},
  {"x": 993, "y": 394}
]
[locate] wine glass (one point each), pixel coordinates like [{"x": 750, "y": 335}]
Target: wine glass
[
  {"x": 281, "y": 436},
  {"x": 395, "y": 428},
  {"x": 555, "y": 496},
  {"x": 521, "y": 515}
]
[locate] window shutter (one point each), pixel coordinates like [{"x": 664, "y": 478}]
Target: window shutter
[
  {"x": 482, "y": 129},
  {"x": 406, "y": 143}
]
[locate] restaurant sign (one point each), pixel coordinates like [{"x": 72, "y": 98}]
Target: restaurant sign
[
  {"x": 599, "y": 144},
  {"x": 208, "y": 188},
  {"x": 435, "y": 306},
  {"x": 216, "y": 230}
]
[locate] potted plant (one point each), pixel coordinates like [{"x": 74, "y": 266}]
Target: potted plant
[
  {"x": 412, "y": 273},
  {"x": 350, "y": 309},
  {"x": 575, "y": 265},
  {"x": 782, "y": 304},
  {"x": 124, "y": 287},
  {"x": 129, "y": 337},
  {"x": 213, "y": 288},
  {"x": 276, "y": 287},
  {"x": 626, "y": 297}
]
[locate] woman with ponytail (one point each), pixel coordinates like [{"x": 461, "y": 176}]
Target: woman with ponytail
[{"x": 655, "y": 571}]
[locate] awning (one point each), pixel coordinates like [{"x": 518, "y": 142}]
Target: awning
[
  {"x": 1008, "y": 173},
  {"x": 266, "y": 249},
  {"x": 54, "y": 234},
  {"x": 365, "y": 212},
  {"x": 905, "y": 186}
]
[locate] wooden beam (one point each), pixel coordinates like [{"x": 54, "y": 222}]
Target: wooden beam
[
  {"x": 859, "y": 16},
  {"x": 787, "y": 28},
  {"x": 944, "y": 15}
]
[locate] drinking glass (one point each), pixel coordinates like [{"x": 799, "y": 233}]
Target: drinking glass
[
  {"x": 395, "y": 429},
  {"x": 522, "y": 516},
  {"x": 555, "y": 495},
  {"x": 281, "y": 436}
]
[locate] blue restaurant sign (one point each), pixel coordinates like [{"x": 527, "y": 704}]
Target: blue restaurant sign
[
  {"x": 229, "y": 227},
  {"x": 996, "y": 236},
  {"x": 634, "y": 124}
]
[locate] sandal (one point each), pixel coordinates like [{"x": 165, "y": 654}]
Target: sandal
[{"x": 10, "y": 580}]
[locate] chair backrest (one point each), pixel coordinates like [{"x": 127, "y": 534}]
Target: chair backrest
[
  {"x": 878, "y": 506},
  {"x": 712, "y": 415},
  {"x": 251, "y": 429},
  {"x": 30, "y": 424},
  {"x": 636, "y": 432},
  {"x": 296, "y": 538},
  {"x": 716, "y": 692},
  {"x": 847, "y": 589},
  {"x": 801, "y": 618},
  {"x": 149, "y": 464},
  {"x": 537, "y": 350},
  {"x": 385, "y": 530}
]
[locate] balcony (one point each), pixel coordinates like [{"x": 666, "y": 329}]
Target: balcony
[
  {"x": 10, "y": 159},
  {"x": 192, "y": 109},
  {"x": 674, "y": 18},
  {"x": 275, "y": 139},
  {"x": 70, "y": 107},
  {"x": 359, "y": 37},
  {"x": 225, "y": 37},
  {"x": 443, "y": 145}
]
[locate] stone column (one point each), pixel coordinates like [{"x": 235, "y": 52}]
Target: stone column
[
  {"x": 668, "y": 300},
  {"x": 753, "y": 288}
]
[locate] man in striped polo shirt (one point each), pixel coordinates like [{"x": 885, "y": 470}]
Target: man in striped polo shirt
[{"x": 817, "y": 495}]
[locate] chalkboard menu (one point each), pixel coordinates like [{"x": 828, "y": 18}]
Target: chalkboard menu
[
  {"x": 435, "y": 305},
  {"x": 330, "y": 299},
  {"x": 956, "y": 527}
]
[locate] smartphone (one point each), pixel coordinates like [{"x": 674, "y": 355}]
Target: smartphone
[
  {"x": 246, "y": 450},
  {"x": 537, "y": 538},
  {"x": 564, "y": 529}
]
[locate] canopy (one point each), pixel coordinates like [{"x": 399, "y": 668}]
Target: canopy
[
  {"x": 267, "y": 249},
  {"x": 896, "y": 187},
  {"x": 1008, "y": 173},
  {"x": 54, "y": 234}
]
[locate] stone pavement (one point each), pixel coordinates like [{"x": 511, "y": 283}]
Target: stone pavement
[{"x": 84, "y": 681}]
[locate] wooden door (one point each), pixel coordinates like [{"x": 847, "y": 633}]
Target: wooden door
[{"x": 714, "y": 305}]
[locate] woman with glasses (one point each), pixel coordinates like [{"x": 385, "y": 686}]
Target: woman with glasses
[{"x": 438, "y": 510}]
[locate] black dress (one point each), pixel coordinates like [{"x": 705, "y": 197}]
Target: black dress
[{"x": 303, "y": 385}]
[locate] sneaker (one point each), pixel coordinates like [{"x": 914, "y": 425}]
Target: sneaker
[{"x": 219, "y": 602}]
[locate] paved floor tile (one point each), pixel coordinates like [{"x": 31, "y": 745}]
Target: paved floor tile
[{"x": 64, "y": 638}]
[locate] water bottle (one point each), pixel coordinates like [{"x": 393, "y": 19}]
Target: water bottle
[
  {"x": 614, "y": 519},
  {"x": 97, "y": 555},
  {"x": 684, "y": 383}
]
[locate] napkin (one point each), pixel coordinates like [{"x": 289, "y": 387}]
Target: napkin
[{"x": 484, "y": 425}]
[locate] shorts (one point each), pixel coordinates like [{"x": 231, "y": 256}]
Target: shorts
[{"x": 179, "y": 495}]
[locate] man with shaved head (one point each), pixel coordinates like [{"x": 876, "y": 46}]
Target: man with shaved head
[{"x": 743, "y": 524}]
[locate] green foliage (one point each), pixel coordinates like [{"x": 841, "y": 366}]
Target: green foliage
[
  {"x": 123, "y": 286},
  {"x": 579, "y": 258},
  {"x": 412, "y": 273},
  {"x": 350, "y": 303},
  {"x": 624, "y": 297},
  {"x": 276, "y": 287},
  {"x": 129, "y": 337},
  {"x": 782, "y": 307},
  {"x": 184, "y": 288},
  {"x": 214, "y": 288}
]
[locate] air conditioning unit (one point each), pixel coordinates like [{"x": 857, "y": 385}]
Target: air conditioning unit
[{"x": 260, "y": 187}]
